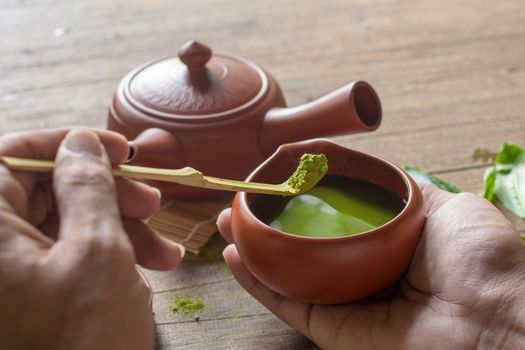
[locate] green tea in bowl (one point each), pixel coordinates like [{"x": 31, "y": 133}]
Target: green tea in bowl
[{"x": 336, "y": 206}]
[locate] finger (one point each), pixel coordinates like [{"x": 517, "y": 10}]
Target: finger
[
  {"x": 12, "y": 213},
  {"x": 13, "y": 194},
  {"x": 224, "y": 224},
  {"x": 41, "y": 203},
  {"x": 295, "y": 313},
  {"x": 44, "y": 144},
  {"x": 136, "y": 200},
  {"x": 152, "y": 251},
  {"x": 17, "y": 235},
  {"x": 434, "y": 197},
  {"x": 329, "y": 326},
  {"x": 85, "y": 191},
  {"x": 50, "y": 226}
]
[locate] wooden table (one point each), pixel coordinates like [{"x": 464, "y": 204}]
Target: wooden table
[{"x": 450, "y": 75}]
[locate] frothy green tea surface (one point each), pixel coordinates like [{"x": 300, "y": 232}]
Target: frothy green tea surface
[{"x": 337, "y": 206}]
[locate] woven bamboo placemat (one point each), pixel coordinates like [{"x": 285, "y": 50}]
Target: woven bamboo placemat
[{"x": 190, "y": 223}]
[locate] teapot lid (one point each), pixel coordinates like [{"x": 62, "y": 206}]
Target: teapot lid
[{"x": 196, "y": 84}]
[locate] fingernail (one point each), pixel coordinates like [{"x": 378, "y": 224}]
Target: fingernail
[
  {"x": 83, "y": 142},
  {"x": 159, "y": 194},
  {"x": 176, "y": 245},
  {"x": 228, "y": 247},
  {"x": 182, "y": 250}
]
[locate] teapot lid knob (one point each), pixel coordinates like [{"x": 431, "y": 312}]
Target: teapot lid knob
[{"x": 194, "y": 55}]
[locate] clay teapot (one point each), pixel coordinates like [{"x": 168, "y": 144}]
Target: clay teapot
[{"x": 223, "y": 115}]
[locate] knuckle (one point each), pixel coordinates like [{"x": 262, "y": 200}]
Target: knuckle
[
  {"x": 88, "y": 175},
  {"x": 467, "y": 197},
  {"x": 108, "y": 246},
  {"x": 11, "y": 241},
  {"x": 7, "y": 230},
  {"x": 10, "y": 189},
  {"x": 482, "y": 205},
  {"x": 9, "y": 138}
]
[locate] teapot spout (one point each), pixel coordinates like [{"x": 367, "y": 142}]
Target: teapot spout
[
  {"x": 156, "y": 148},
  {"x": 351, "y": 109}
]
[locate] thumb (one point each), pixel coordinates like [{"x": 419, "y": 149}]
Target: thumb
[
  {"x": 434, "y": 197},
  {"x": 84, "y": 189}
]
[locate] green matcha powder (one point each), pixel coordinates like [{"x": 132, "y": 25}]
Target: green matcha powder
[
  {"x": 187, "y": 306},
  {"x": 311, "y": 168}
]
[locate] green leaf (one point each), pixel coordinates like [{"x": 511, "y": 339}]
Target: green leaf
[
  {"x": 508, "y": 154},
  {"x": 505, "y": 180},
  {"x": 421, "y": 176},
  {"x": 490, "y": 182}
]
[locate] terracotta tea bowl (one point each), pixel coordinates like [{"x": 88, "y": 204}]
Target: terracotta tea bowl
[{"x": 337, "y": 269}]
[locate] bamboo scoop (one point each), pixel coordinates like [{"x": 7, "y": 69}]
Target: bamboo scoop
[{"x": 312, "y": 167}]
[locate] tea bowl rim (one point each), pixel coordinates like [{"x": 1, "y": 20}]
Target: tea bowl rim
[{"x": 410, "y": 185}]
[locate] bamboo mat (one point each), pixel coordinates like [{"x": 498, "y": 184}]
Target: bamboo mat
[{"x": 190, "y": 223}]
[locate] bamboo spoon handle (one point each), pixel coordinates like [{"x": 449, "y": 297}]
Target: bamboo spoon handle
[{"x": 184, "y": 176}]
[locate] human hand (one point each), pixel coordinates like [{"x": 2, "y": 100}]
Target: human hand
[
  {"x": 464, "y": 288},
  {"x": 69, "y": 244}
]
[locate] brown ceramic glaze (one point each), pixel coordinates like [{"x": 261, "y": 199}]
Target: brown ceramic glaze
[
  {"x": 223, "y": 114},
  {"x": 329, "y": 270}
]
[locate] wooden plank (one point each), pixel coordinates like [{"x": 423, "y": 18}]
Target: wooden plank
[
  {"x": 193, "y": 271},
  {"x": 206, "y": 268},
  {"x": 232, "y": 319},
  {"x": 435, "y": 76},
  {"x": 412, "y": 102},
  {"x": 260, "y": 332},
  {"x": 429, "y": 112},
  {"x": 232, "y": 303},
  {"x": 435, "y": 149},
  {"x": 440, "y": 149},
  {"x": 258, "y": 15},
  {"x": 124, "y": 48},
  {"x": 93, "y": 43},
  {"x": 17, "y": 4}
]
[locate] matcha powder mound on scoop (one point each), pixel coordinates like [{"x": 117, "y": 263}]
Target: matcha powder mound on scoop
[{"x": 311, "y": 168}]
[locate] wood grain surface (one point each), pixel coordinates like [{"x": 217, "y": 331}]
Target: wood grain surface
[{"x": 450, "y": 75}]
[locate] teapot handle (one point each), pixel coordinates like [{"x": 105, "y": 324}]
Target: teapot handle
[{"x": 156, "y": 148}]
